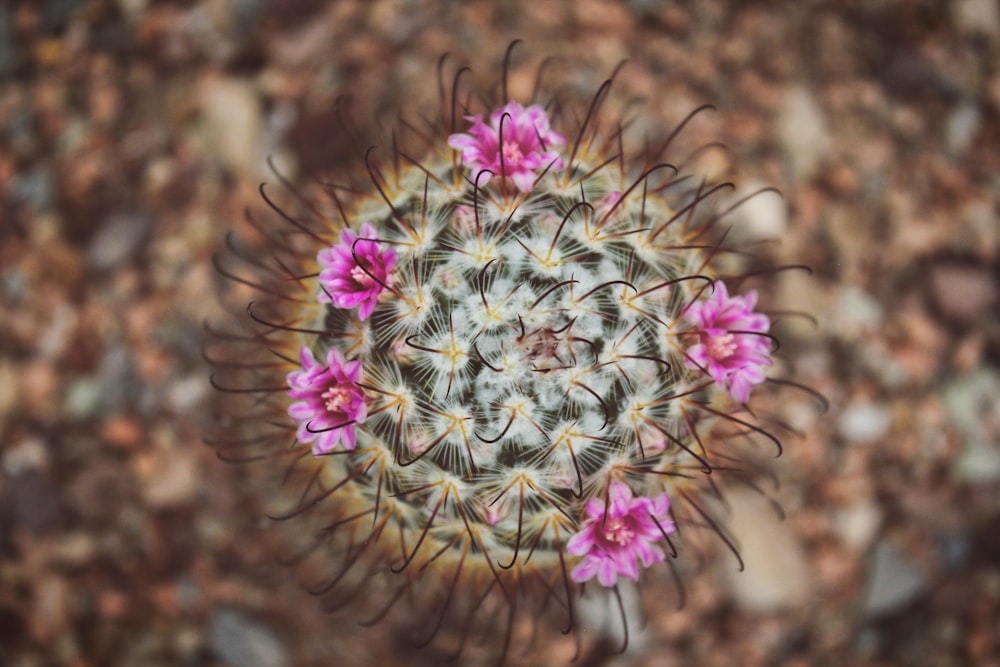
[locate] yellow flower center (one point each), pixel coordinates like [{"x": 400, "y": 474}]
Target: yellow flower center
[
  {"x": 616, "y": 531},
  {"x": 511, "y": 152},
  {"x": 337, "y": 397},
  {"x": 721, "y": 348},
  {"x": 359, "y": 276}
]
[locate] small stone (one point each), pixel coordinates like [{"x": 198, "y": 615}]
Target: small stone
[
  {"x": 121, "y": 431},
  {"x": 116, "y": 379},
  {"x": 954, "y": 550},
  {"x": 763, "y": 215},
  {"x": 188, "y": 643},
  {"x": 978, "y": 462},
  {"x": 28, "y": 454},
  {"x": 112, "y": 605},
  {"x": 974, "y": 409},
  {"x": 803, "y": 133},
  {"x": 9, "y": 394},
  {"x": 961, "y": 293},
  {"x": 232, "y": 111},
  {"x": 961, "y": 127},
  {"x": 75, "y": 548},
  {"x": 892, "y": 370},
  {"x": 57, "y": 332},
  {"x": 8, "y": 46},
  {"x": 857, "y": 524},
  {"x": 133, "y": 8},
  {"x": 83, "y": 398},
  {"x": 39, "y": 384},
  {"x": 98, "y": 492},
  {"x": 169, "y": 476},
  {"x": 980, "y": 17},
  {"x": 918, "y": 349},
  {"x": 968, "y": 353},
  {"x": 30, "y": 501},
  {"x": 118, "y": 241},
  {"x": 857, "y": 313},
  {"x": 50, "y": 611},
  {"x": 240, "y": 641},
  {"x": 864, "y": 422},
  {"x": 980, "y": 217},
  {"x": 186, "y": 394},
  {"x": 971, "y": 400},
  {"x": 893, "y": 582},
  {"x": 34, "y": 188},
  {"x": 777, "y": 574}
]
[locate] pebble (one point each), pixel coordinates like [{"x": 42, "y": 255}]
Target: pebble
[
  {"x": 74, "y": 549},
  {"x": 856, "y": 313},
  {"x": 979, "y": 217},
  {"x": 168, "y": 476},
  {"x": 857, "y": 524},
  {"x": 133, "y": 8},
  {"x": 55, "y": 336},
  {"x": 807, "y": 297},
  {"x": 98, "y": 492},
  {"x": 239, "y": 641},
  {"x": 803, "y": 133},
  {"x": 960, "y": 128},
  {"x": 954, "y": 550},
  {"x": 978, "y": 462},
  {"x": 894, "y": 581},
  {"x": 972, "y": 402},
  {"x": 961, "y": 293},
  {"x": 116, "y": 378},
  {"x": 34, "y": 188},
  {"x": 187, "y": 393},
  {"x": 232, "y": 114},
  {"x": 14, "y": 285},
  {"x": 50, "y": 609},
  {"x": 760, "y": 217},
  {"x": 119, "y": 241},
  {"x": 8, "y": 47},
  {"x": 777, "y": 573},
  {"x": 980, "y": 17},
  {"x": 31, "y": 501},
  {"x": 122, "y": 431},
  {"x": 892, "y": 368},
  {"x": 30, "y": 453},
  {"x": 188, "y": 644},
  {"x": 83, "y": 398},
  {"x": 972, "y": 397},
  {"x": 864, "y": 422},
  {"x": 244, "y": 15}
]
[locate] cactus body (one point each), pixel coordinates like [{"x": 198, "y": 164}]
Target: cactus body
[{"x": 509, "y": 365}]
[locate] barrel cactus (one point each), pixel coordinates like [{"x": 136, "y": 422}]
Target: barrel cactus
[{"x": 503, "y": 365}]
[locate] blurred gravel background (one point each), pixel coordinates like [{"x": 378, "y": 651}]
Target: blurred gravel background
[{"x": 134, "y": 132}]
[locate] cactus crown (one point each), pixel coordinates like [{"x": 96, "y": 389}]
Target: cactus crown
[{"x": 507, "y": 353}]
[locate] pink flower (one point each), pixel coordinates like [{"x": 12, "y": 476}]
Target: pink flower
[
  {"x": 520, "y": 136},
  {"x": 348, "y": 282},
  {"x": 731, "y": 345},
  {"x": 612, "y": 539},
  {"x": 332, "y": 404}
]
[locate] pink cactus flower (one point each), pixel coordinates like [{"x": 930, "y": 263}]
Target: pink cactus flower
[
  {"x": 616, "y": 535},
  {"x": 348, "y": 282},
  {"x": 521, "y": 137},
  {"x": 332, "y": 404},
  {"x": 731, "y": 345}
]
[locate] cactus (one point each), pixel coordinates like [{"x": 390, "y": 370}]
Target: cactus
[{"x": 503, "y": 362}]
